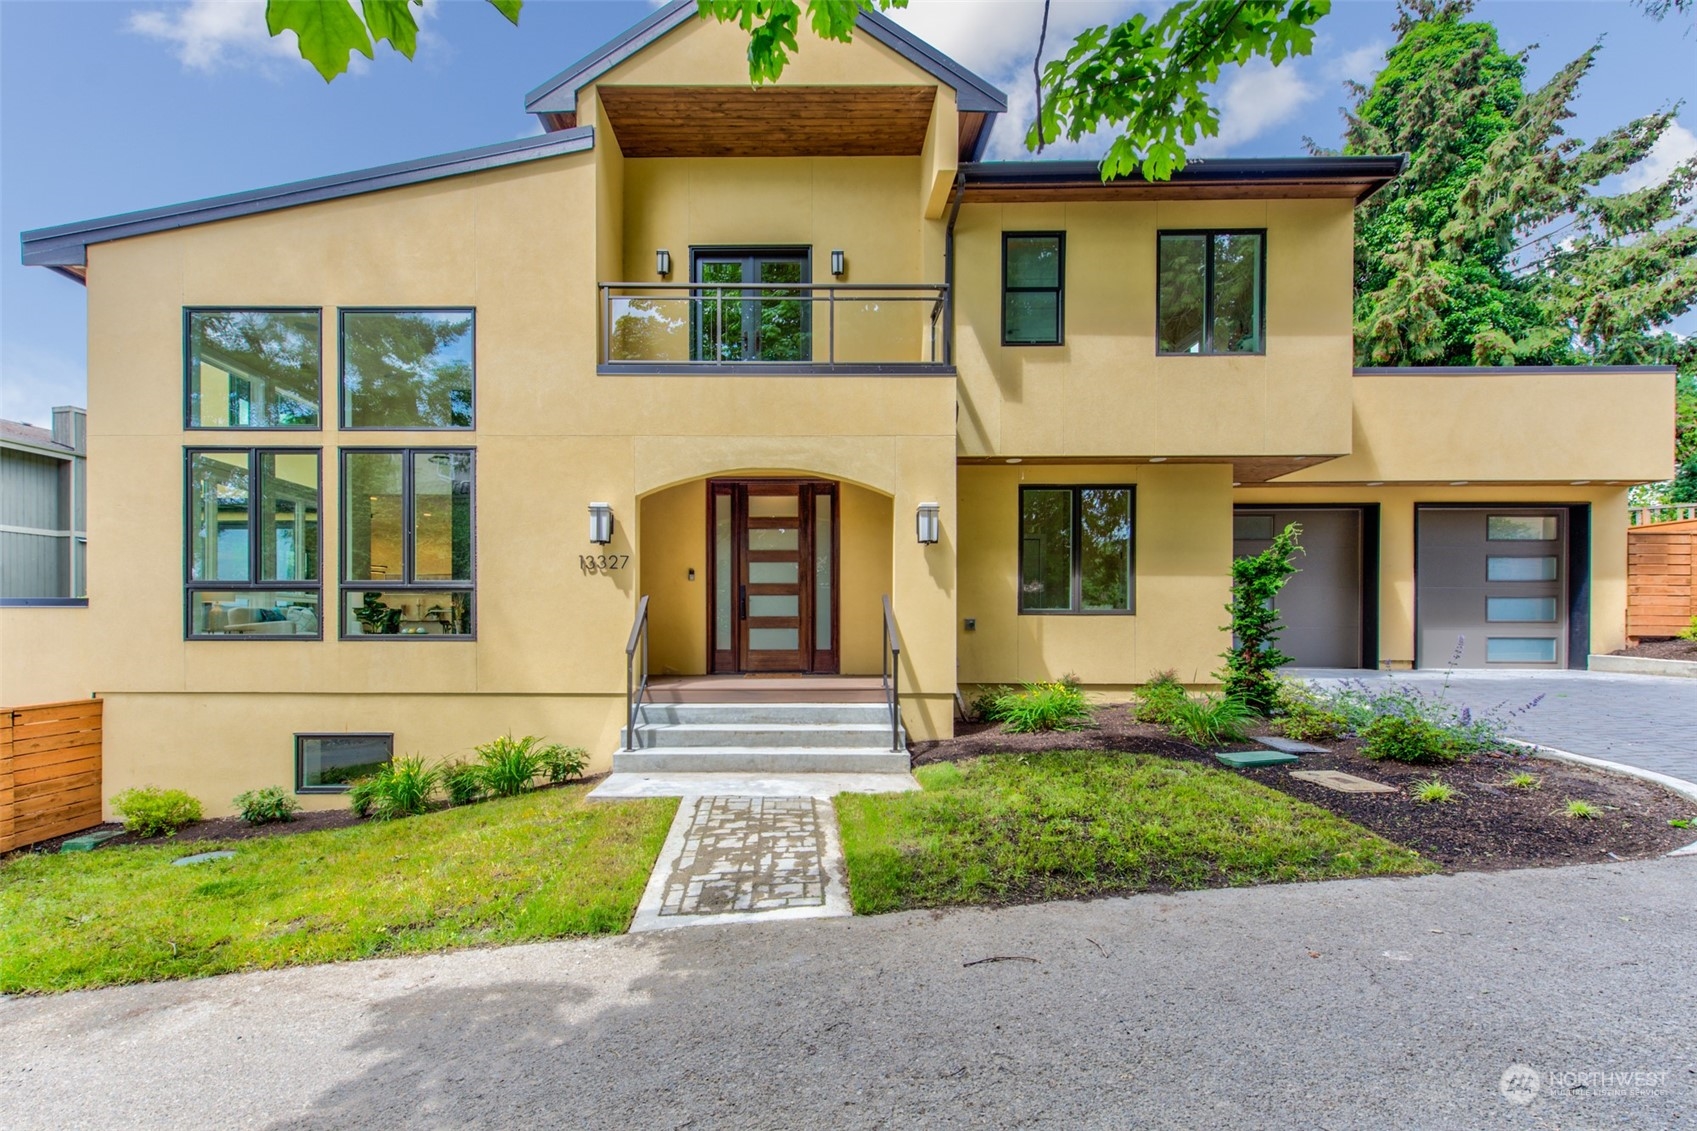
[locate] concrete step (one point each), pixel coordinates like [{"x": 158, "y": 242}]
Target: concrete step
[
  {"x": 764, "y": 714},
  {"x": 761, "y": 760},
  {"x": 833, "y": 736}
]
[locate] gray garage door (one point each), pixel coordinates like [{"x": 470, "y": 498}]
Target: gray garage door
[
  {"x": 1321, "y": 605},
  {"x": 1494, "y": 580}
]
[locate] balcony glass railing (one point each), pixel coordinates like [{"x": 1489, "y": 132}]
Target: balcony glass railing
[{"x": 793, "y": 327}]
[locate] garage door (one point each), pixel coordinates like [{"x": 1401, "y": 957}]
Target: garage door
[
  {"x": 1493, "y": 583},
  {"x": 1321, "y": 605}
]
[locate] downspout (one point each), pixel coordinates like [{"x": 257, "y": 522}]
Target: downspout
[{"x": 949, "y": 269}]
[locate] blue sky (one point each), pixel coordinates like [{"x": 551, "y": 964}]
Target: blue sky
[{"x": 110, "y": 106}]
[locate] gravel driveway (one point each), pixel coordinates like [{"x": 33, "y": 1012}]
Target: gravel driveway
[{"x": 1371, "y": 1004}]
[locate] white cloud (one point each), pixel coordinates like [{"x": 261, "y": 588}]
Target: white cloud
[
  {"x": 1359, "y": 65},
  {"x": 206, "y": 35},
  {"x": 1676, "y": 146},
  {"x": 1253, "y": 100},
  {"x": 35, "y": 380}
]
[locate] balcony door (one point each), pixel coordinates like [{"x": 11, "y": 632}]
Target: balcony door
[
  {"x": 749, "y": 314},
  {"x": 773, "y": 575}
]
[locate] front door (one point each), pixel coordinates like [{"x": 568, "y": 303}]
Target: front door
[{"x": 772, "y": 597}]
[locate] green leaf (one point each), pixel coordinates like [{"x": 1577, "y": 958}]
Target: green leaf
[
  {"x": 328, "y": 31},
  {"x": 509, "y": 9},
  {"x": 393, "y": 20}
]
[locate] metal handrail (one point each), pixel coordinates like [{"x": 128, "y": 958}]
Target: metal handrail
[
  {"x": 635, "y": 691},
  {"x": 891, "y": 676},
  {"x": 714, "y": 293}
]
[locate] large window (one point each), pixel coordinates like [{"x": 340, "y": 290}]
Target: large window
[
  {"x": 330, "y": 763},
  {"x": 253, "y": 549},
  {"x": 1212, "y": 296},
  {"x": 252, "y": 368},
  {"x": 1033, "y": 288},
  {"x": 1075, "y": 550},
  {"x": 407, "y": 542},
  {"x": 406, "y": 369}
]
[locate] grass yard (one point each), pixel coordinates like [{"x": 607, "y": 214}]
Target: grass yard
[
  {"x": 1015, "y": 828},
  {"x": 539, "y": 866}
]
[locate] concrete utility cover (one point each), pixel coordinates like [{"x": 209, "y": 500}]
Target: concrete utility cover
[
  {"x": 203, "y": 857},
  {"x": 1342, "y": 782},
  {"x": 1291, "y": 745}
]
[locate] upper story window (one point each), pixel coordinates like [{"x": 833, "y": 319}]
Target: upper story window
[
  {"x": 1033, "y": 288},
  {"x": 252, "y": 368},
  {"x": 1212, "y": 292},
  {"x": 253, "y": 542},
  {"x": 747, "y": 313},
  {"x": 407, "y": 369},
  {"x": 407, "y": 542},
  {"x": 1075, "y": 549}
]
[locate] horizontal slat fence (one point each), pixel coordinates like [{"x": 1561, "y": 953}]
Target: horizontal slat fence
[
  {"x": 1661, "y": 579},
  {"x": 49, "y": 771}
]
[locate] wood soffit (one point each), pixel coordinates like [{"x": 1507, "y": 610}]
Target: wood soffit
[{"x": 795, "y": 121}]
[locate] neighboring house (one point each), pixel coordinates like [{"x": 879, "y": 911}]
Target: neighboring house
[
  {"x": 783, "y": 351},
  {"x": 43, "y": 501}
]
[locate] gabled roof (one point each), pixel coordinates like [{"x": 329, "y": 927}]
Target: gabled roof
[
  {"x": 64, "y": 248},
  {"x": 559, "y": 94}
]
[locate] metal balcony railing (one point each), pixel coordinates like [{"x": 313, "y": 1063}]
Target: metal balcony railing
[{"x": 774, "y": 328}]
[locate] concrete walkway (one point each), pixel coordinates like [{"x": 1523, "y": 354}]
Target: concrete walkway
[
  {"x": 1640, "y": 720},
  {"x": 1357, "y": 1004}
]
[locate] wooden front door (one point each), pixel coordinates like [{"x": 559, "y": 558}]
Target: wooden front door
[{"x": 772, "y": 592}]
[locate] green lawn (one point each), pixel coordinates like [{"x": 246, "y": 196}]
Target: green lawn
[
  {"x": 1012, "y": 828},
  {"x": 534, "y": 867}
]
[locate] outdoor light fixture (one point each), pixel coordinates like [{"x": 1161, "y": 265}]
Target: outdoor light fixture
[
  {"x": 928, "y": 523},
  {"x": 600, "y": 523},
  {"x": 839, "y": 265},
  {"x": 663, "y": 263}
]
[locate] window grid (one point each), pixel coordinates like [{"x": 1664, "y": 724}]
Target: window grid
[
  {"x": 1208, "y": 236},
  {"x": 302, "y": 739},
  {"x": 1075, "y": 605},
  {"x": 344, "y": 409},
  {"x": 190, "y": 424},
  {"x": 1058, "y": 290}
]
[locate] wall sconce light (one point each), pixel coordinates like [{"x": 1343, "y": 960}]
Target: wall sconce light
[
  {"x": 928, "y": 524},
  {"x": 839, "y": 264},
  {"x": 600, "y": 523},
  {"x": 663, "y": 263}
]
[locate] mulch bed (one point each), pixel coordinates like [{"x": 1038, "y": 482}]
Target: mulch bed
[
  {"x": 1661, "y": 650},
  {"x": 1489, "y": 826}
]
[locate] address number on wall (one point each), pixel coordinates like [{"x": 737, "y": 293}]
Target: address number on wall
[{"x": 602, "y": 563}]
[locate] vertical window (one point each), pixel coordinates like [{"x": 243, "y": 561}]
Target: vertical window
[
  {"x": 408, "y": 542},
  {"x": 1076, "y": 548},
  {"x": 1211, "y": 295},
  {"x": 252, "y": 368},
  {"x": 408, "y": 368},
  {"x": 1033, "y": 287},
  {"x": 253, "y": 548},
  {"x": 330, "y": 763}
]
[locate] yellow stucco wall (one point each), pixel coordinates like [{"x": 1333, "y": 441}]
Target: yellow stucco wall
[
  {"x": 44, "y": 655},
  {"x": 1031, "y": 400}
]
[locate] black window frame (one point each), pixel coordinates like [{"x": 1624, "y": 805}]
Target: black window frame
[
  {"x": 1059, "y": 290},
  {"x": 1075, "y": 600},
  {"x": 749, "y": 253},
  {"x": 253, "y": 584},
  {"x": 302, "y": 736},
  {"x": 408, "y": 531},
  {"x": 342, "y": 313},
  {"x": 1208, "y": 235},
  {"x": 188, "y": 378}
]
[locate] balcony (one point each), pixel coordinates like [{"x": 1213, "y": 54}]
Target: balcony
[{"x": 892, "y": 329}]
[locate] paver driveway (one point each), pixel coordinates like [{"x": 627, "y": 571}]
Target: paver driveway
[{"x": 1640, "y": 720}]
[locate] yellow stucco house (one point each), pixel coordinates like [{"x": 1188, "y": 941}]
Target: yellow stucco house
[{"x": 728, "y": 386}]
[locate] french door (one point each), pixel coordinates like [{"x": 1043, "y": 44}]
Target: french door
[
  {"x": 773, "y": 575},
  {"x": 764, "y": 321}
]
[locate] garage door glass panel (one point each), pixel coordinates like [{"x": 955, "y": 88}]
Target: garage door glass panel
[
  {"x": 1539, "y": 609},
  {"x": 1520, "y": 528},
  {"x": 1520, "y": 650},
  {"x": 1252, "y": 528},
  {"x": 1520, "y": 569}
]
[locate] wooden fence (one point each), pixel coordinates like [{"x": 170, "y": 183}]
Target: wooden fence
[
  {"x": 49, "y": 771},
  {"x": 1661, "y": 579}
]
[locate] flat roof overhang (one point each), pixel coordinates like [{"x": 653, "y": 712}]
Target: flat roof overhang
[{"x": 1235, "y": 178}]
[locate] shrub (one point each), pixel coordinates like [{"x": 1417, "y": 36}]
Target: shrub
[
  {"x": 1433, "y": 791},
  {"x": 152, "y": 811},
  {"x": 1043, "y": 706},
  {"x": 463, "y": 782},
  {"x": 1254, "y": 658},
  {"x": 983, "y": 705},
  {"x": 562, "y": 763},
  {"x": 1403, "y": 738},
  {"x": 1159, "y": 698},
  {"x": 1211, "y": 722},
  {"x": 1520, "y": 779},
  {"x": 1306, "y": 715},
  {"x": 402, "y": 788},
  {"x": 264, "y": 806},
  {"x": 1581, "y": 810},
  {"x": 1689, "y": 632}
]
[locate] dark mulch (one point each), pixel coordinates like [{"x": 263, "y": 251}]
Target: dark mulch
[
  {"x": 1489, "y": 826},
  {"x": 1661, "y": 650}
]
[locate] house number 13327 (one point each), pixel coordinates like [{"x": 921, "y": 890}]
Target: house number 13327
[{"x": 602, "y": 563}]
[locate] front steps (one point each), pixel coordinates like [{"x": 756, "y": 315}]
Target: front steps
[{"x": 762, "y": 738}]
